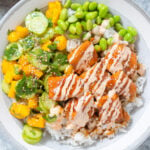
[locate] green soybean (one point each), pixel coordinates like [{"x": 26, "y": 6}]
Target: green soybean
[
  {"x": 103, "y": 44},
  {"x": 97, "y": 48},
  {"x": 83, "y": 23},
  {"x": 67, "y": 4},
  {"x": 58, "y": 30},
  {"x": 128, "y": 37},
  {"x": 72, "y": 29},
  {"x": 122, "y": 32},
  {"x": 75, "y": 6},
  {"x": 72, "y": 19},
  {"x": 86, "y": 36},
  {"x": 91, "y": 15},
  {"x": 79, "y": 14},
  {"x": 78, "y": 28},
  {"x": 103, "y": 10},
  {"x": 94, "y": 25},
  {"x": 111, "y": 22},
  {"x": 117, "y": 19},
  {"x": 98, "y": 20},
  {"x": 86, "y": 6},
  {"x": 64, "y": 14},
  {"x": 89, "y": 25},
  {"x": 109, "y": 15},
  {"x": 132, "y": 30},
  {"x": 118, "y": 26},
  {"x": 110, "y": 41},
  {"x": 92, "y": 6},
  {"x": 79, "y": 9},
  {"x": 62, "y": 24},
  {"x": 73, "y": 36}
]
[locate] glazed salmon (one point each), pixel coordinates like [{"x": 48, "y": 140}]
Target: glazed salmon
[
  {"x": 96, "y": 79},
  {"x": 120, "y": 57},
  {"x": 64, "y": 87},
  {"x": 110, "y": 109},
  {"x": 83, "y": 57},
  {"x": 79, "y": 111},
  {"x": 123, "y": 85}
]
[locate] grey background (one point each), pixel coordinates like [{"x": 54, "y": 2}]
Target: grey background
[{"x": 8, "y": 144}]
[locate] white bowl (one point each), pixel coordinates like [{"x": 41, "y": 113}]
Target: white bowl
[{"x": 140, "y": 127}]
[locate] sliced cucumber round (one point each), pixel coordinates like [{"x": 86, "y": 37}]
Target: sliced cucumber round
[
  {"x": 36, "y": 22},
  {"x": 46, "y": 103},
  {"x": 48, "y": 35},
  {"x": 5, "y": 87},
  {"x": 31, "y": 135},
  {"x": 13, "y": 51}
]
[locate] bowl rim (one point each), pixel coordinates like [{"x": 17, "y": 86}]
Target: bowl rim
[{"x": 145, "y": 134}]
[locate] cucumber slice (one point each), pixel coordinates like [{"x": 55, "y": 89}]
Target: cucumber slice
[
  {"x": 31, "y": 135},
  {"x": 46, "y": 86},
  {"x": 36, "y": 22},
  {"x": 5, "y": 87},
  {"x": 26, "y": 87},
  {"x": 30, "y": 141},
  {"x": 33, "y": 59},
  {"x": 27, "y": 43},
  {"x": 47, "y": 36},
  {"x": 45, "y": 103},
  {"x": 13, "y": 51}
]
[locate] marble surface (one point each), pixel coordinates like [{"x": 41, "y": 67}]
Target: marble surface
[{"x": 8, "y": 144}]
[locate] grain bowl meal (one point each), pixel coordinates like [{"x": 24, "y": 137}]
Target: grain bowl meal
[{"x": 72, "y": 71}]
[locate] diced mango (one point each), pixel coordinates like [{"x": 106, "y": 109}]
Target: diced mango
[
  {"x": 33, "y": 102},
  {"x": 31, "y": 70},
  {"x": 61, "y": 42},
  {"x": 36, "y": 121},
  {"x": 13, "y": 36},
  {"x": 22, "y": 31},
  {"x": 19, "y": 111},
  {"x": 12, "y": 90},
  {"x": 45, "y": 46},
  {"x": 23, "y": 60}
]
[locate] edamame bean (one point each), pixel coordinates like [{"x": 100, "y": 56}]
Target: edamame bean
[
  {"x": 75, "y": 6},
  {"x": 72, "y": 36},
  {"x": 94, "y": 25},
  {"x": 64, "y": 14},
  {"x": 78, "y": 28},
  {"x": 122, "y": 32},
  {"x": 89, "y": 25},
  {"x": 58, "y": 30},
  {"x": 91, "y": 15},
  {"x": 97, "y": 48},
  {"x": 98, "y": 20},
  {"x": 117, "y": 19},
  {"x": 62, "y": 24},
  {"x": 132, "y": 30},
  {"x": 83, "y": 23},
  {"x": 111, "y": 22},
  {"x": 72, "y": 19},
  {"x": 110, "y": 41},
  {"x": 118, "y": 26},
  {"x": 103, "y": 44},
  {"x": 67, "y": 4},
  {"x": 128, "y": 37},
  {"x": 103, "y": 9},
  {"x": 79, "y": 9},
  {"x": 92, "y": 6},
  {"x": 72, "y": 29},
  {"x": 86, "y": 36},
  {"x": 109, "y": 15},
  {"x": 79, "y": 14},
  {"x": 86, "y": 6}
]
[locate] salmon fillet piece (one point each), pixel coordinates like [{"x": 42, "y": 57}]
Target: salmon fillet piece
[
  {"x": 110, "y": 110},
  {"x": 65, "y": 87},
  {"x": 83, "y": 57},
  {"x": 79, "y": 111},
  {"x": 123, "y": 85},
  {"x": 120, "y": 57}
]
